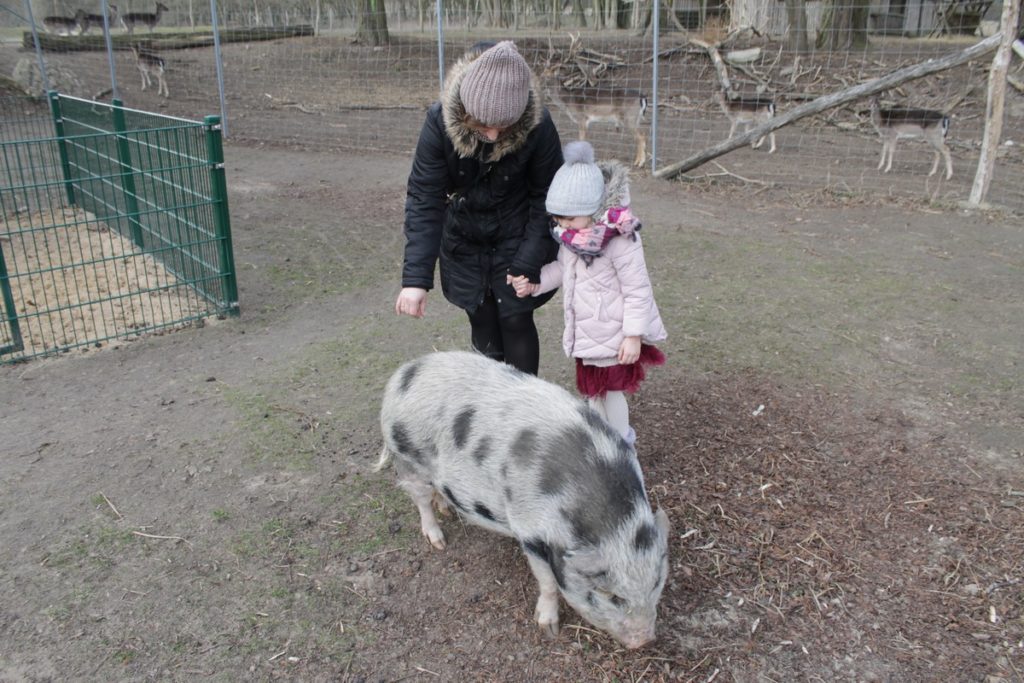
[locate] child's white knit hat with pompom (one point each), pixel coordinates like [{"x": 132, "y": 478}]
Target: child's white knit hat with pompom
[{"x": 578, "y": 187}]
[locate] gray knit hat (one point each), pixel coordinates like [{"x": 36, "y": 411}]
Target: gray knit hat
[
  {"x": 578, "y": 187},
  {"x": 496, "y": 86}
]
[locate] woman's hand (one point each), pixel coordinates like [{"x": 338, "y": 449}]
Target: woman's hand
[
  {"x": 629, "y": 351},
  {"x": 411, "y": 301}
]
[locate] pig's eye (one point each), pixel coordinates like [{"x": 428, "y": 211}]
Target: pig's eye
[{"x": 612, "y": 598}]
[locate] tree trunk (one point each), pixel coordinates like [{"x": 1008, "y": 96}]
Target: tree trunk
[
  {"x": 373, "y": 23},
  {"x": 797, "y": 36},
  {"x": 579, "y": 14},
  {"x": 844, "y": 25}
]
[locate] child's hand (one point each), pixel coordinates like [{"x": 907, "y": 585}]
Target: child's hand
[
  {"x": 523, "y": 286},
  {"x": 629, "y": 351}
]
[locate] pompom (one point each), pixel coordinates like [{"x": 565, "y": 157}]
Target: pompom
[{"x": 578, "y": 152}]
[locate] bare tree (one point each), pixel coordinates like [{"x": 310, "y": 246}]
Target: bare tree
[
  {"x": 373, "y": 23},
  {"x": 797, "y": 15},
  {"x": 844, "y": 25}
]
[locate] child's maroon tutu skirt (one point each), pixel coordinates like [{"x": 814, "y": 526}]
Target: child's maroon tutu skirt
[{"x": 595, "y": 380}]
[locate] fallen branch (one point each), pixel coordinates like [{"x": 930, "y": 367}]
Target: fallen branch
[
  {"x": 825, "y": 102},
  {"x": 163, "y": 538}
]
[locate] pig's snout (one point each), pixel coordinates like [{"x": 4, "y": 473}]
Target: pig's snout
[{"x": 637, "y": 639}]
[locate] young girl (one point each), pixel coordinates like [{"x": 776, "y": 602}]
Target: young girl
[{"x": 611, "y": 320}]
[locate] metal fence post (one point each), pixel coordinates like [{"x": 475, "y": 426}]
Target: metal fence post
[
  {"x": 62, "y": 147},
  {"x": 655, "y": 45},
  {"x": 221, "y": 217},
  {"x": 219, "y": 60},
  {"x": 124, "y": 160}
]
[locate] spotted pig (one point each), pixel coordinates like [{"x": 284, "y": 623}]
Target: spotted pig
[{"x": 523, "y": 457}]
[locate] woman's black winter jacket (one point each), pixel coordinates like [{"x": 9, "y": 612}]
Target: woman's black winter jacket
[{"x": 480, "y": 206}]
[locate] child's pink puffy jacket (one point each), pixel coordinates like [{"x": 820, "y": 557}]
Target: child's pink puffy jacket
[{"x": 611, "y": 298}]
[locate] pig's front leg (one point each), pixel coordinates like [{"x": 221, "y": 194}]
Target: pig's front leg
[
  {"x": 422, "y": 493},
  {"x": 546, "y": 612}
]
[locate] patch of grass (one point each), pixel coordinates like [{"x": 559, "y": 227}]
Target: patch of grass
[{"x": 221, "y": 515}]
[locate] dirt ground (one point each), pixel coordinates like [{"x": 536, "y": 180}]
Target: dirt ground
[{"x": 836, "y": 438}]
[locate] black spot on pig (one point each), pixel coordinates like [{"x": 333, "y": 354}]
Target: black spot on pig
[
  {"x": 596, "y": 422},
  {"x": 569, "y": 458},
  {"x": 645, "y": 537},
  {"x": 526, "y": 447},
  {"x": 483, "y": 448},
  {"x": 606, "y": 495},
  {"x": 550, "y": 554},
  {"x": 452, "y": 499},
  {"x": 404, "y": 445},
  {"x": 484, "y": 512},
  {"x": 408, "y": 374},
  {"x": 462, "y": 425}
]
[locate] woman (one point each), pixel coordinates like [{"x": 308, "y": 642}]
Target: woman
[{"x": 486, "y": 155}]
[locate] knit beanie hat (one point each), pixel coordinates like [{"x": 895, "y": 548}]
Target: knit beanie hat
[
  {"x": 496, "y": 86},
  {"x": 578, "y": 187}
]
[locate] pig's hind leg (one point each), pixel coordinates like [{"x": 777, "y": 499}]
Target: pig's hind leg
[{"x": 422, "y": 493}]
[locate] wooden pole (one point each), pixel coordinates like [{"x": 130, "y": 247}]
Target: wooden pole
[
  {"x": 820, "y": 104},
  {"x": 994, "y": 104}
]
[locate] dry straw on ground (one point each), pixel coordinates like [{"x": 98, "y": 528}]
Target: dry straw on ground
[{"x": 75, "y": 282}]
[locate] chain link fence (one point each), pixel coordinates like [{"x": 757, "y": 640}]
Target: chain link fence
[{"x": 336, "y": 75}]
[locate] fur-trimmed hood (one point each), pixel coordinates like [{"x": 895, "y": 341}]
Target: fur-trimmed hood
[
  {"x": 464, "y": 140},
  {"x": 616, "y": 186}
]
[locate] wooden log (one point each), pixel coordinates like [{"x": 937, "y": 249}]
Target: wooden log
[
  {"x": 836, "y": 99},
  {"x": 164, "y": 40}
]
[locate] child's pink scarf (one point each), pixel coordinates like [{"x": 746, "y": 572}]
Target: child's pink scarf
[{"x": 589, "y": 242}]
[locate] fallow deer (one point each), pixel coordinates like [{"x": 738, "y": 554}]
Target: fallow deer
[
  {"x": 64, "y": 26},
  {"x": 149, "y": 19},
  {"x": 750, "y": 111},
  {"x": 97, "y": 19},
  {"x": 893, "y": 123},
  {"x": 625, "y": 107},
  {"x": 151, "y": 64}
]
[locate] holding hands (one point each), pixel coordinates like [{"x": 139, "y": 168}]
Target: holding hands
[{"x": 522, "y": 285}]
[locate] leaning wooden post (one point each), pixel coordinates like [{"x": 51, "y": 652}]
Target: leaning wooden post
[
  {"x": 833, "y": 100},
  {"x": 994, "y": 104}
]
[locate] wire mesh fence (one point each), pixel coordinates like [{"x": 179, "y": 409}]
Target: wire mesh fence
[
  {"x": 325, "y": 74},
  {"x": 115, "y": 224}
]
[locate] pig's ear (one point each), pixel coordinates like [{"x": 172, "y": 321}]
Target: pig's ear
[{"x": 661, "y": 521}]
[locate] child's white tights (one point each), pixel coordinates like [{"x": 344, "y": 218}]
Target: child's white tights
[{"x": 614, "y": 409}]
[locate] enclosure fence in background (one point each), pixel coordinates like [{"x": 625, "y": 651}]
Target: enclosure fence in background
[
  {"x": 332, "y": 74},
  {"x": 115, "y": 224}
]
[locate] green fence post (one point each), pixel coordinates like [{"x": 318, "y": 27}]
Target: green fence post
[
  {"x": 221, "y": 218},
  {"x": 124, "y": 160},
  {"x": 62, "y": 147},
  {"x": 10, "y": 314}
]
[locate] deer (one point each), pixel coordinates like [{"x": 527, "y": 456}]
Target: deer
[
  {"x": 151, "y": 64},
  {"x": 65, "y": 25},
  {"x": 625, "y": 107},
  {"x": 750, "y": 111},
  {"x": 150, "y": 19},
  {"x": 893, "y": 123},
  {"x": 97, "y": 19}
]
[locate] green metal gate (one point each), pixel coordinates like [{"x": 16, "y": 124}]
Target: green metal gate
[{"x": 115, "y": 225}]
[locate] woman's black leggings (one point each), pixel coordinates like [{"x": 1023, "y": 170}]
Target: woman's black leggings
[{"x": 512, "y": 339}]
